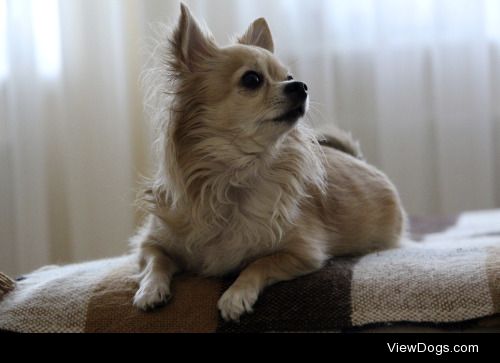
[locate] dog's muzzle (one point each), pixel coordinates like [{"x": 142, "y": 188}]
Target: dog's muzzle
[{"x": 296, "y": 92}]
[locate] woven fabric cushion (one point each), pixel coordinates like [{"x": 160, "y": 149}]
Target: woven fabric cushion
[{"x": 447, "y": 278}]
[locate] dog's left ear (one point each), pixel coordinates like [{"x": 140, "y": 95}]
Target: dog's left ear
[
  {"x": 191, "y": 44},
  {"x": 259, "y": 35}
]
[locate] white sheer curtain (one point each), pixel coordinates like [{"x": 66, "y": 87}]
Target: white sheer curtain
[
  {"x": 67, "y": 135},
  {"x": 417, "y": 81}
]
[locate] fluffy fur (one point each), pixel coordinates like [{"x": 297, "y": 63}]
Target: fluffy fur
[{"x": 242, "y": 185}]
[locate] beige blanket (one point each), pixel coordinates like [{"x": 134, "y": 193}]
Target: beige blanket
[{"x": 447, "y": 279}]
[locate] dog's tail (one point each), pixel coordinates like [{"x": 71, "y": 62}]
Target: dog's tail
[{"x": 342, "y": 141}]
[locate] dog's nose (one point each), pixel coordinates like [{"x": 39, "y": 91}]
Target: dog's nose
[{"x": 297, "y": 91}]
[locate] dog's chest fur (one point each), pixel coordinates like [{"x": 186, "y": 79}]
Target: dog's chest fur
[{"x": 228, "y": 232}]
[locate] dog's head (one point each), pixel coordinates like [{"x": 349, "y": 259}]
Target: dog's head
[{"x": 241, "y": 92}]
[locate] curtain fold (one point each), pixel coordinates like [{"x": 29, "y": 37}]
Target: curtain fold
[{"x": 417, "y": 81}]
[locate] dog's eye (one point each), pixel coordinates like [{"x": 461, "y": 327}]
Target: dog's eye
[
  {"x": 251, "y": 80},
  {"x": 289, "y": 78}
]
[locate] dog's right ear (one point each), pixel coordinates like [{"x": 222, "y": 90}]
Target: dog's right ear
[
  {"x": 258, "y": 34},
  {"x": 191, "y": 45}
]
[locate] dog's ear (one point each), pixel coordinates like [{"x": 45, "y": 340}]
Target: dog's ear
[
  {"x": 191, "y": 45},
  {"x": 258, "y": 34}
]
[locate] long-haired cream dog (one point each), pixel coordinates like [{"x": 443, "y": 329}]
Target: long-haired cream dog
[{"x": 242, "y": 184}]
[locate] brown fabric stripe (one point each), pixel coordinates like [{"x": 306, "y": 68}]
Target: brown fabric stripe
[
  {"x": 192, "y": 308},
  {"x": 493, "y": 271},
  {"x": 317, "y": 302}
]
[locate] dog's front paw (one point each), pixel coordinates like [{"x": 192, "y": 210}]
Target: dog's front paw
[
  {"x": 152, "y": 293},
  {"x": 235, "y": 302}
]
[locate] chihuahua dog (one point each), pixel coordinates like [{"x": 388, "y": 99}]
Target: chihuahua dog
[{"x": 242, "y": 184}]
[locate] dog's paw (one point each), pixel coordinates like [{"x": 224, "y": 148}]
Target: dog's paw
[
  {"x": 152, "y": 293},
  {"x": 235, "y": 302}
]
